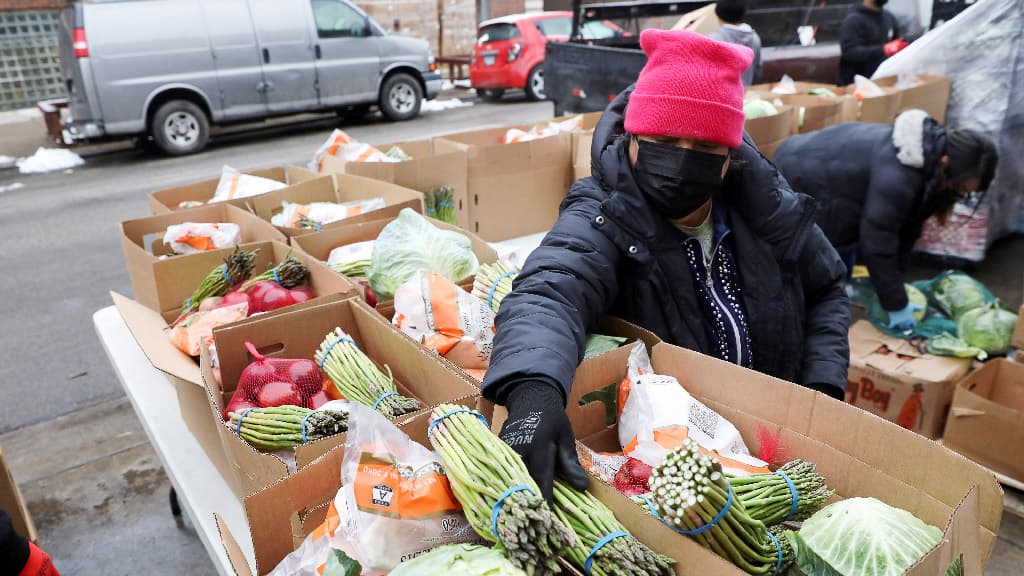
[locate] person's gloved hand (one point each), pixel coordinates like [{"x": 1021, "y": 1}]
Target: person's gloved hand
[
  {"x": 903, "y": 320},
  {"x": 892, "y": 47},
  {"x": 539, "y": 431}
]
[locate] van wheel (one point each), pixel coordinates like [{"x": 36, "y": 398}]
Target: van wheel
[
  {"x": 180, "y": 127},
  {"x": 400, "y": 97},
  {"x": 535, "y": 84}
]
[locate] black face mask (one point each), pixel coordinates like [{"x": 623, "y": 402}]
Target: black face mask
[
  {"x": 676, "y": 180},
  {"x": 880, "y": 3}
]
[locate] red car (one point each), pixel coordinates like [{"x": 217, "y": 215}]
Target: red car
[{"x": 509, "y": 51}]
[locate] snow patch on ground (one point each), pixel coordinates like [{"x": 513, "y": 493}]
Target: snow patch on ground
[
  {"x": 441, "y": 105},
  {"x": 49, "y": 160},
  {"x": 11, "y": 186}
]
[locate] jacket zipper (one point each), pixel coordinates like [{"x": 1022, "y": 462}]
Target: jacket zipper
[{"x": 725, "y": 309}]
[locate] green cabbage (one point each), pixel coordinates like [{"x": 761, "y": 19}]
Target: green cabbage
[
  {"x": 861, "y": 537},
  {"x": 989, "y": 328},
  {"x": 917, "y": 297},
  {"x": 757, "y": 108},
  {"x": 822, "y": 92},
  {"x": 411, "y": 244},
  {"x": 946, "y": 344},
  {"x": 459, "y": 560},
  {"x": 957, "y": 293}
]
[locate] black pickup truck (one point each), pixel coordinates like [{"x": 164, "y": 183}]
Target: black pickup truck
[{"x": 583, "y": 75}]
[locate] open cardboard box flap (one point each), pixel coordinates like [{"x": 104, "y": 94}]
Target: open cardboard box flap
[
  {"x": 338, "y": 188},
  {"x": 169, "y": 199},
  {"x": 297, "y": 333},
  {"x": 12, "y": 502},
  {"x": 427, "y": 170},
  {"x": 137, "y": 234}
]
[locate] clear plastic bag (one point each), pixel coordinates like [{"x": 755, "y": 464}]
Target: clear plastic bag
[
  {"x": 445, "y": 318},
  {"x": 657, "y": 414},
  {"x": 349, "y": 253},
  {"x": 234, "y": 185},
  {"x": 193, "y": 237},
  {"x": 341, "y": 145},
  {"x": 544, "y": 130},
  {"x": 319, "y": 213}
]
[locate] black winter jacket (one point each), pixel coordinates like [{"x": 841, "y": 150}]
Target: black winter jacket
[
  {"x": 875, "y": 188},
  {"x": 862, "y": 38},
  {"x": 610, "y": 252}
]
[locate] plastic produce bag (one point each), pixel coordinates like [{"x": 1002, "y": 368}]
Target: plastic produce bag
[
  {"x": 411, "y": 244},
  {"x": 268, "y": 382},
  {"x": 786, "y": 85},
  {"x": 189, "y": 334},
  {"x": 317, "y": 214},
  {"x": 955, "y": 293},
  {"x": 395, "y": 501},
  {"x": 865, "y": 88},
  {"x": 233, "y": 185},
  {"x": 349, "y": 253},
  {"x": 193, "y": 237},
  {"x": 657, "y": 414},
  {"x": 341, "y": 145},
  {"x": 544, "y": 130},
  {"x": 445, "y": 318},
  {"x": 459, "y": 560}
]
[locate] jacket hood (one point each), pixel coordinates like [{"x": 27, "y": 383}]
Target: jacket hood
[
  {"x": 753, "y": 188},
  {"x": 920, "y": 143}
]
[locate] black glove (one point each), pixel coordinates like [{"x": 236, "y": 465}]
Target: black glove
[{"x": 539, "y": 431}]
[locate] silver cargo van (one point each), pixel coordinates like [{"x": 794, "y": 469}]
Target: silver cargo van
[{"x": 167, "y": 69}]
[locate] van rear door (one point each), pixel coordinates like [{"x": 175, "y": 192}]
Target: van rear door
[
  {"x": 286, "y": 51},
  {"x": 83, "y": 103},
  {"x": 237, "y": 58},
  {"x": 347, "y": 53}
]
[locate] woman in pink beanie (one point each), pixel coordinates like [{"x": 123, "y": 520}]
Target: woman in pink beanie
[{"x": 684, "y": 229}]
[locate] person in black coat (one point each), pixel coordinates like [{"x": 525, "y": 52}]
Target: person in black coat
[
  {"x": 868, "y": 35},
  {"x": 877, "y": 184},
  {"x": 684, "y": 229}
]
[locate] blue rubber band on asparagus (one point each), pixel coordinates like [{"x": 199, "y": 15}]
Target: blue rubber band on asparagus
[
  {"x": 490, "y": 297},
  {"x": 600, "y": 544},
  {"x": 238, "y": 429},
  {"x": 436, "y": 421},
  {"x": 276, "y": 277},
  {"x": 327, "y": 352},
  {"x": 304, "y": 418},
  {"x": 224, "y": 273},
  {"x": 188, "y": 305},
  {"x": 795, "y": 496},
  {"x": 700, "y": 529},
  {"x": 319, "y": 226},
  {"x": 497, "y": 506},
  {"x": 446, "y": 204},
  {"x": 778, "y": 550},
  {"x": 382, "y": 397}
]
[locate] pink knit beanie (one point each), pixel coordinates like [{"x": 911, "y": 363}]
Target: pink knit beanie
[{"x": 691, "y": 87}]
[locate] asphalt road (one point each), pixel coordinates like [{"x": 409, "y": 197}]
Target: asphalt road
[{"x": 61, "y": 252}]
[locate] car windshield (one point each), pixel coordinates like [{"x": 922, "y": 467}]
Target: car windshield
[
  {"x": 497, "y": 33},
  {"x": 559, "y": 27}
]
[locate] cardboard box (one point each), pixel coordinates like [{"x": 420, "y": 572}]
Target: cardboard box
[
  {"x": 13, "y": 503},
  {"x": 873, "y": 110},
  {"x": 890, "y": 377},
  {"x": 1018, "y": 335},
  {"x": 423, "y": 173},
  {"x": 170, "y": 199},
  {"x": 986, "y": 421},
  {"x": 702, "y": 21},
  {"x": 581, "y": 161},
  {"x": 801, "y": 88},
  {"x": 177, "y": 278},
  {"x": 930, "y": 94},
  {"x": 143, "y": 245},
  {"x": 337, "y": 188},
  {"x": 771, "y": 131},
  {"x": 514, "y": 189},
  {"x": 817, "y": 112},
  {"x": 418, "y": 373}
]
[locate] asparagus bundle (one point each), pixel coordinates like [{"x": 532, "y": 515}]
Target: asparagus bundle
[
  {"x": 769, "y": 497},
  {"x": 693, "y": 497},
  {"x": 500, "y": 499},
  {"x": 286, "y": 426},
  {"x": 237, "y": 268},
  {"x": 357, "y": 378},
  {"x": 440, "y": 204},
  {"x": 353, "y": 269},
  {"x": 493, "y": 282},
  {"x": 307, "y": 223},
  {"x": 288, "y": 274},
  {"x": 593, "y": 523}
]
